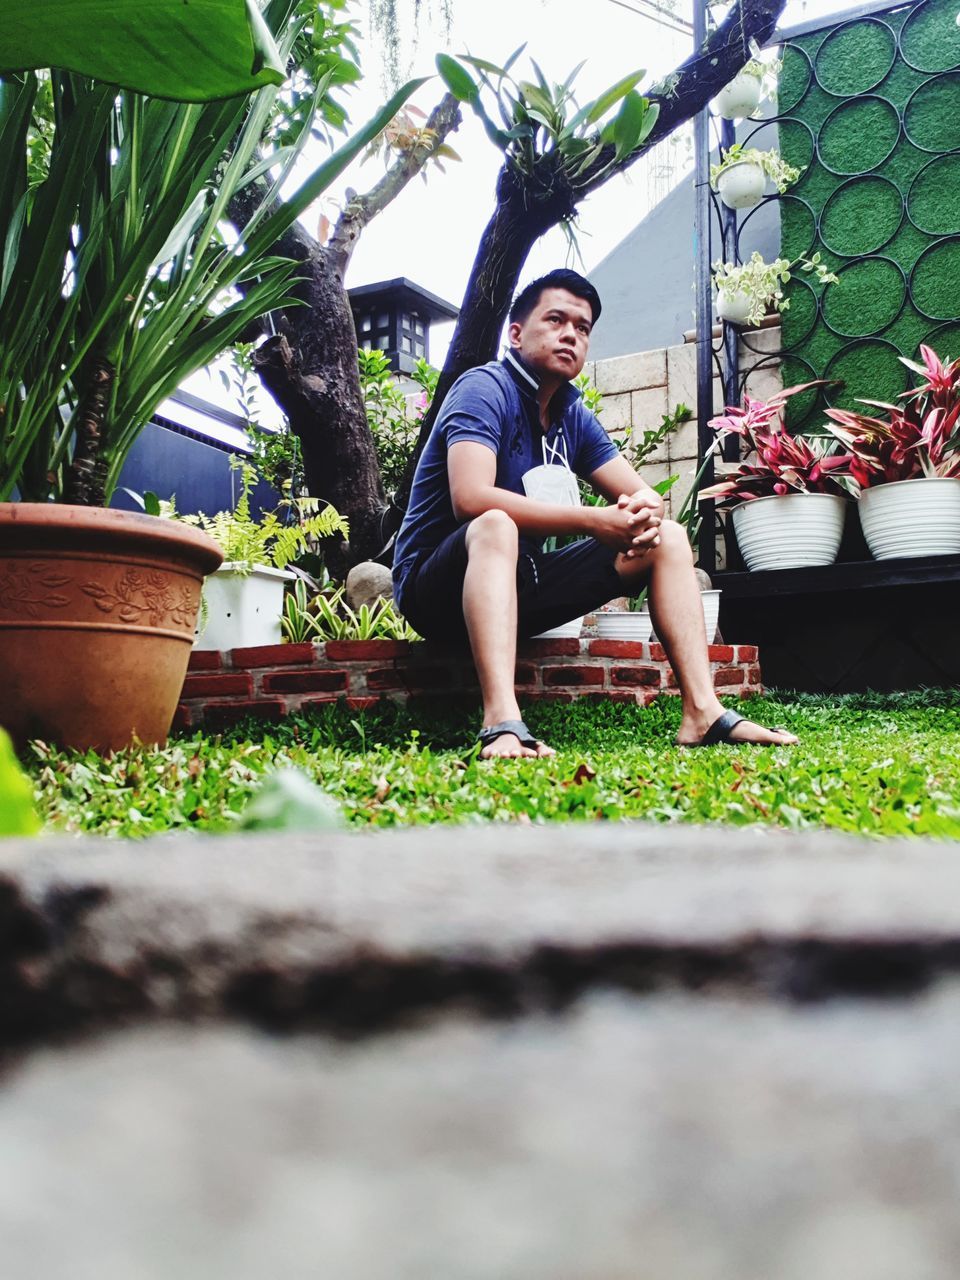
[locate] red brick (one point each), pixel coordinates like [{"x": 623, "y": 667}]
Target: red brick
[
  {"x": 753, "y": 675},
  {"x": 468, "y": 677},
  {"x": 525, "y": 673},
  {"x": 720, "y": 653},
  {"x": 727, "y": 675},
  {"x": 658, "y": 653},
  {"x": 411, "y": 678},
  {"x": 367, "y": 650},
  {"x": 313, "y": 703},
  {"x": 305, "y": 682},
  {"x": 204, "y": 660},
  {"x": 224, "y": 685},
  {"x": 554, "y": 697},
  {"x": 609, "y": 695},
  {"x": 617, "y": 649},
  {"x": 182, "y": 718},
  {"x": 549, "y": 648},
  {"x": 220, "y": 715},
  {"x": 573, "y": 675},
  {"x": 362, "y": 704},
  {"x": 746, "y": 653},
  {"x": 670, "y": 680},
  {"x": 634, "y": 676},
  {"x": 273, "y": 655}
]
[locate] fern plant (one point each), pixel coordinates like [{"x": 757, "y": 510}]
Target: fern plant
[{"x": 247, "y": 542}]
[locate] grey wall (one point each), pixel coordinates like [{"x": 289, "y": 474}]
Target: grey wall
[{"x": 646, "y": 282}]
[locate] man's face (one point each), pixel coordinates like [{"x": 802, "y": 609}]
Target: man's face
[{"x": 555, "y": 337}]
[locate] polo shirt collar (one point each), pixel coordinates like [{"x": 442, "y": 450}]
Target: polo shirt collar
[{"x": 528, "y": 383}]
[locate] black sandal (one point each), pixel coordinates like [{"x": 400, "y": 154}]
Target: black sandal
[
  {"x": 719, "y": 732},
  {"x": 494, "y": 731}
]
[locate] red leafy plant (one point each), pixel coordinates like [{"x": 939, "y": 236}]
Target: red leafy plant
[
  {"x": 782, "y": 463},
  {"x": 920, "y": 435}
]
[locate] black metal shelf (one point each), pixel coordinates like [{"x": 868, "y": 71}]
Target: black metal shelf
[{"x": 853, "y": 575}]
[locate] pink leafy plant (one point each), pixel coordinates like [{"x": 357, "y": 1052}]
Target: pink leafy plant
[
  {"x": 918, "y": 436},
  {"x": 781, "y": 463}
]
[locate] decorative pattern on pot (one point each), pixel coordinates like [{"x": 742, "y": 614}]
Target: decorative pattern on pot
[
  {"x": 912, "y": 518},
  {"x": 791, "y": 531}
]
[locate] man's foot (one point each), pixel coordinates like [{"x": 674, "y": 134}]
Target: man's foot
[
  {"x": 511, "y": 739},
  {"x": 730, "y": 727}
]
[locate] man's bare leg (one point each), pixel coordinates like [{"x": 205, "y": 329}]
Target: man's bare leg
[
  {"x": 678, "y": 619},
  {"x": 490, "y": 612}
]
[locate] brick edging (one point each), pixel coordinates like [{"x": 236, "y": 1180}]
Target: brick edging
[{"x": 276, "y": 680}]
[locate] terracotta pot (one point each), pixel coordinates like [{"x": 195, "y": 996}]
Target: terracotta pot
[{"x": 97, "y": 617}]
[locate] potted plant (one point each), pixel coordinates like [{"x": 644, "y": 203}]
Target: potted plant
[
  {"x": 117, "y": 282},
  {"x": 787, "y": 505},
  {"x": 741, "y": 174},
  {"x": 243, "y": 600},
  {"x": 746, "y": 292},
  {"x": 743, "y": 94},
  {"x": 906, "y": 465}
]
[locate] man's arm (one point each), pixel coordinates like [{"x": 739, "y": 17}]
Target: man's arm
[
  {"x": 617, "y": 480},
  {"x": 472, "y": 472}
]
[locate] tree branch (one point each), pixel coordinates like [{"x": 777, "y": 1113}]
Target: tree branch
[
  {"x": 361, "y": 210},
  {"x": 697, "y": 80}
]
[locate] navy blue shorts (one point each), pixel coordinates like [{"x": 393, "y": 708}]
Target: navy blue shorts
[{"x": 552, "y": 586}]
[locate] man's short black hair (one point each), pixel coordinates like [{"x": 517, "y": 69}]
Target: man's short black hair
[{"x": 562, "y": 278}]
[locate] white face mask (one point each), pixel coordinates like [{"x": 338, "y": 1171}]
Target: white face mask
[{"x": 553, "y": 481}]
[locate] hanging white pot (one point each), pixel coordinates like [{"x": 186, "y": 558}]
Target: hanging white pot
[
  {"x": 625, "y": 624},
  {"x": 740, "y": 98},
  {"x": 733, "y": 305},
  {"x": 741, "y": 185},
  {"x": 792, "y": 531},
  {"x": 242, "y": 610},
  {"x": 912, "y": 518},
  {"x": 565, "y": 631}
]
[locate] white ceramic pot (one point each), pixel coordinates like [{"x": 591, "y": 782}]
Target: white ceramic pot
[
  {"x": 622, "y": 624},
  {"x": 242, "y": 610},
  {"x": 733, "y": 306},
  {"x": 710, "y": 603},
  {"x": 789, "y": 532},
  {"x": 912, "y": 518},
  {"x": 742, "y": 185},
  {"x": 565, "y": 631},
  {"x": 740, "y": 98}
]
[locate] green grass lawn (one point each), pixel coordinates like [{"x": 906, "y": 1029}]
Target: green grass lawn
[{"x": 880, "y": 765}]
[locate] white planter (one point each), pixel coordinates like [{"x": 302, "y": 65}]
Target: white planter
[
  {"x": 740, "y": 98},
  {"x": 742, "y": 185},
  {"x": 710, "y": 603},
  {"x": 790, "y": 532},
  {"x": 242, "y": 610},
  {"x": 565, "y": 631},
  {"x": 734, "y": 307},
  {"x": 912, "y": 518},
  {"x": 622, "y": 624}
]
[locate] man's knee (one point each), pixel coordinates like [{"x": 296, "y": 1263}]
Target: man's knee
[
  {"x": 493, "y": 532},
  {"x": 674, "y": 541}
]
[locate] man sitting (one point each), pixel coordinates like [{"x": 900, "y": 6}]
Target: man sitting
[{"x": 469, "y": 562}]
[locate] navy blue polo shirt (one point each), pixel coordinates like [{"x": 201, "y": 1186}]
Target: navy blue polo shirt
[{"x": 494, "y": 405}]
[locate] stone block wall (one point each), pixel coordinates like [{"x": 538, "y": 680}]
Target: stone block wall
[
  {"x": 275, "y": 680},
  {"x": 639, "y": 389}
]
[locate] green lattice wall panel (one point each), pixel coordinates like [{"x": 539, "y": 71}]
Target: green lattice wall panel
[{"x": 872, "y": 108}]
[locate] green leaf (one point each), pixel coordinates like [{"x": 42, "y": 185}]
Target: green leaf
[
  {"x": 592, "y": 112},
  {"x": 459, "y": 82},
  {"x": 289, "y": 801},
  {"x": 629, "y": 124},
  {"x": 17, "y": 816},
  {"x": 482, "y": 65},
  {"x": 194, "y": 52}
]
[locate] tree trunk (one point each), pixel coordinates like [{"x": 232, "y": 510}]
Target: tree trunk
[
  {"x": 85, "y": 483},
  {"x": 310, "y": 368}
]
